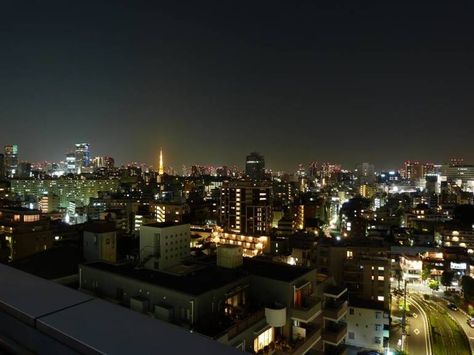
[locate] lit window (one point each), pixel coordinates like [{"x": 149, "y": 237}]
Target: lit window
[{"x": 263, "y": 340}]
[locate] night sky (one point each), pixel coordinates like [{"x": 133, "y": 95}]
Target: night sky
[{"x": 346, "y": 81}]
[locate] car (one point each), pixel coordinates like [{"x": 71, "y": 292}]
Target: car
[
  {"x": 452, "y": 307},
  {"x": 470, "y": 322}
]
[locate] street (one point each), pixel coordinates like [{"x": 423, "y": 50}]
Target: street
[
  {"x": 462, "y": 318},
  {"x": 447, "y": 335},
  {"x": 418, "y": 337}
]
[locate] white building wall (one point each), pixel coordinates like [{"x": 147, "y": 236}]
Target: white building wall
[
  {"x": 365, "y": 327},
  {"x": 162, "y": 246}
]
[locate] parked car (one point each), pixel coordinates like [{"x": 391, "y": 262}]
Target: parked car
[{"x": 452, "y": 307}]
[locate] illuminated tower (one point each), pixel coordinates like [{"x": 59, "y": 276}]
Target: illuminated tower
[
  {"x": 11, "y": 160},
  {"x": 161, "y": 169}
]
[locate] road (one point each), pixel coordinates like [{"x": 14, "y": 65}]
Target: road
[
  {"x": 418, "y": 336},
  {"x": 447, "y": 337},
  {"x": 462, "y": 318}
]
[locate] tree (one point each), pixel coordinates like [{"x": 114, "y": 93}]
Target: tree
[
  {"x": 434, "y": 285},
  {"x": 426, "y": 273},
  {"x": 447, "y": 278},
  {"x": 467, "y": 283}
]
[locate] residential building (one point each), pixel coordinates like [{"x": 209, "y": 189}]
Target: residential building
[
  {"x": 246, "y": 207},
  {"x": 368, "y": 325},
  {"x": 23, "y": 232}
]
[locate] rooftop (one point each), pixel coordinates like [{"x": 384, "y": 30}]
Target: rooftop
[
  {"x": 47, "y": 318},
  {"x": 163, "y": 224},
  {"x": 272, "y": 270},
  {"x": 195, "y": 283}
]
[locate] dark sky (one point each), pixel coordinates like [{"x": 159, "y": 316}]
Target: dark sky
[{"x": 346, "y": 81}]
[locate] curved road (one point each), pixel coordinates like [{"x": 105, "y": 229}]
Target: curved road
[
  {"x": 418, "y": 334},
  {"x": 446, "y": 337}
]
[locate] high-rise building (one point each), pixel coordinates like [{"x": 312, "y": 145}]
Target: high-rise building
[
  {"x": 82, "y": 156},
  {"x": 71, "y": 163},
  {"x": 246, "y": 207},
  {"x": 103, "y": 162},
  {"x": 413, "y": 170},
  {"x": 365, "y": 173},
  {"x": 24, "y": 170},
  {"x": 255, "y": 166},
  {"x": 2, "y": 166},
  {"x": 11, "y": 160},
  {"x": 457, "y": 172}
]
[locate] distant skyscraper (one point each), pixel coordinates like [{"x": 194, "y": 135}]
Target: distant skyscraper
[
  {"x": 2, "y": 166},
  {"x": 24, "y": 170},
  {"x": 365, "y": 173},
  {"x": 161, "y": 169},
  {"x": 413, "y": 170},
  {"x": 71, "y": 163},
  {"x": 103, "y": 162},
  {"x": 255, "y": 166},
  {"x": 11, "y": 160},
  {"x": 82, "y": 156}
]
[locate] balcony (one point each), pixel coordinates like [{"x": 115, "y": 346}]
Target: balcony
[
  {"x": 334, "y": 291},
  {"x": 335, "y": 333},
  {"x": 335, "y": 310},
  {"x": 245, "y": 323},
  {"x": 301, "y": 345},
  {"x": 313, "y": 335},
  {"x": 309, "y": 309}
]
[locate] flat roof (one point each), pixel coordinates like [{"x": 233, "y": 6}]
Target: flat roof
[
  {"x": 194, "y": 283},
  {"x": 111, "y": 329},
  {"x": 27, "y": 297},
  {"x": 275, "y": 271},
  {"x": 87, "y": 325},
  {"x": 163, "y": 224}
]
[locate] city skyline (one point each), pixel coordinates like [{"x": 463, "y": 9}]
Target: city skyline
[
  {"x": 345, "y": 82},
  {"x": 241, "y": 164}
]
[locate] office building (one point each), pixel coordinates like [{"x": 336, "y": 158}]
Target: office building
[
  {"x": 103, "y": 162},
  {"x": 71, "y": 163},
  {"x": 82, "y": 156},
  {"x": 255, "y": 166},
  {"x": 459, "y": 173},
  {"x": 164, "y": 245},
  {"x": 11, "y": 160}
]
